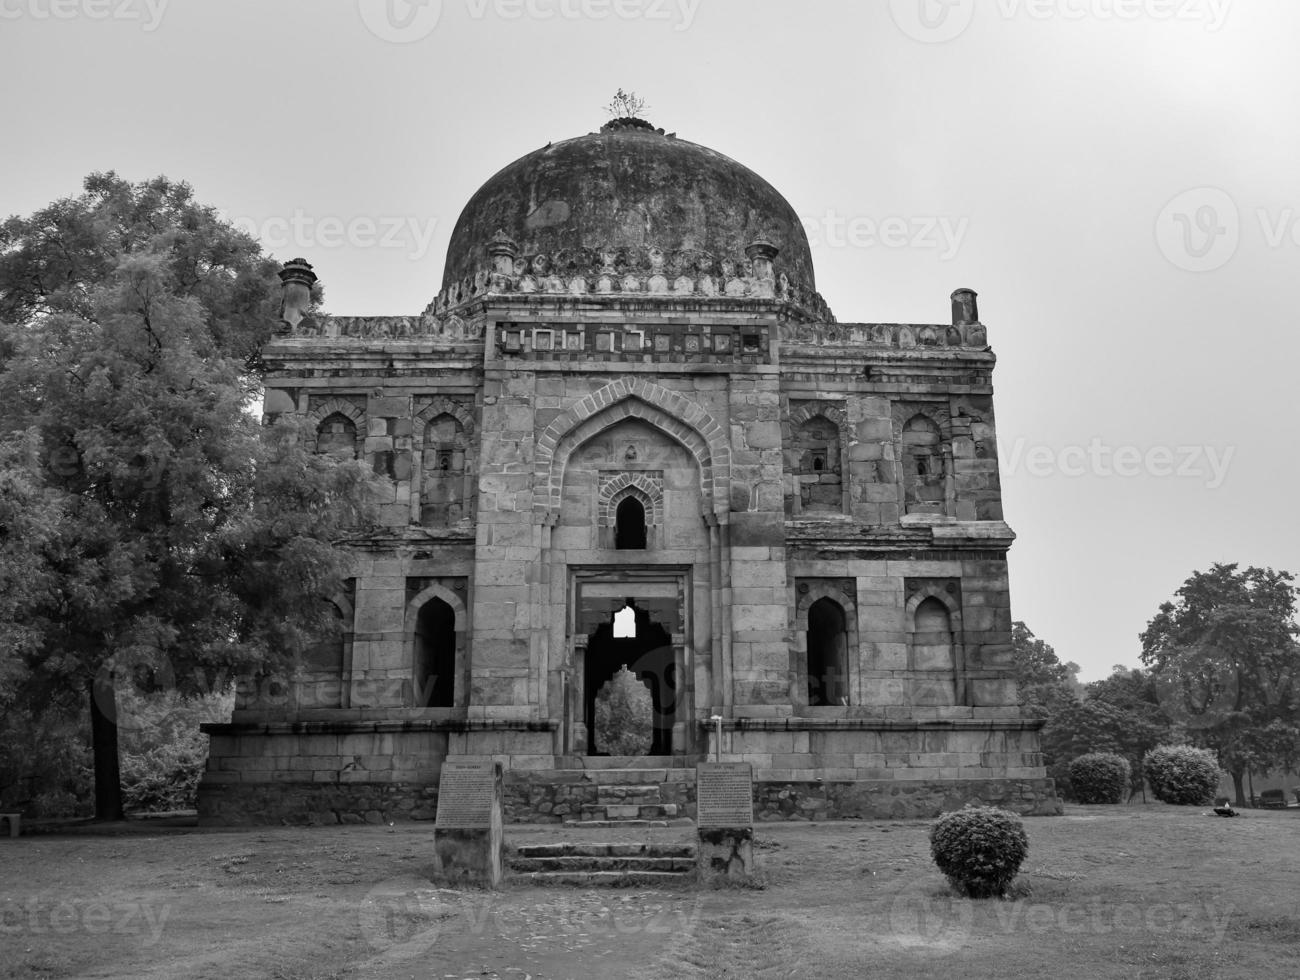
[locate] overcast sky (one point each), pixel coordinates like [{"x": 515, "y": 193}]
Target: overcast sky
[{"x": 1117, "y": 178}]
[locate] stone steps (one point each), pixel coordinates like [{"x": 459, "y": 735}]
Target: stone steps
[
  {"x": 610, "y": 795},
  {"x": 629, "y": 811},
  {"x": 602, "y": 864},
  {"x": 596, "y": 822},
  {"x": 603, "y": 879},
  {"x": 594, "y": 863}
]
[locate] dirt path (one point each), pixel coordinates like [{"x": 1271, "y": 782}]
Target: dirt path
[{"x": 1107, "y": 892}]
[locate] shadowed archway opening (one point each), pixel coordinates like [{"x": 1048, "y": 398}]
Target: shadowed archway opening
[
  {"x": 827, "y": 654},
  {"x": 435, "y": 655},
  {"x": 629, "y": 525},
  {"x": 647, "y": 654}
]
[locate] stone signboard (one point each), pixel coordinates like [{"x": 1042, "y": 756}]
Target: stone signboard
[
  {"x": 467, "y": 793},
  {"x": 724, "y": 794},
  {"x": 467, "y": 836}
]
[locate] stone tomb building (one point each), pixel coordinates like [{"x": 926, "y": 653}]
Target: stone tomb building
[{"x": 628, "y": 432}]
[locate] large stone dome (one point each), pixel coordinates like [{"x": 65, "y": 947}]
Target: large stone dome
[{"x": 625, "y": 193}]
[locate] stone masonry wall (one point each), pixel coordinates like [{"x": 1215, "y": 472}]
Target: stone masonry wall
[{"x": 541, "y": 800}]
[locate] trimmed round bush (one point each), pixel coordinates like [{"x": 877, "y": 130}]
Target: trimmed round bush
[
  {"x": 979, "y": 849},
  {"x": 1182, "y": 775},
  {"x": 1099, "y": 777}
]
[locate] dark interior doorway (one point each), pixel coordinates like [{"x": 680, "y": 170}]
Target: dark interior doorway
[
  {"x": 827, "y": 659},
  {"x": 629, "y": 525},
  {"x": 648, "y": 655},
  {"x": 435, "y": 656}
]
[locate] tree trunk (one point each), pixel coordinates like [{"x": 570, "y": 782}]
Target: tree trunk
[
  {"x": 1238, "y": 790},
  {"x": 103, "y": 737}
]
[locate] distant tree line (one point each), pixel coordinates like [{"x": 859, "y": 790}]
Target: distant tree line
[{"x": 1221, "y": 671}]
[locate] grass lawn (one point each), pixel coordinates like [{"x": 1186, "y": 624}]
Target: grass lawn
[{"x": 1135, "y": 892}]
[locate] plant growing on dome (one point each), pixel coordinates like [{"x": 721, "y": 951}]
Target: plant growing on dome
[{"x": 626, "y": 105}]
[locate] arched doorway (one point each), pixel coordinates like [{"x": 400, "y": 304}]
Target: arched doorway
[
  {"x": 435, "y": 655},
  {"x": 827, "y": 657},
  {"x": 630, "y": 639}
]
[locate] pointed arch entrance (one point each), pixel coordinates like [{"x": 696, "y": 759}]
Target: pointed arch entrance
[
  {"x": 631, "y": 639},
  {"x": 638, "y": 618}
]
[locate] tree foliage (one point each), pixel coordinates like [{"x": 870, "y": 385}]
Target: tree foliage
[
  {"x": 1226, "y": 666},
  {"x": 152, "y": 527},
  {"x": 624, "y": 716},
  {"x": 1043, "y": 683}
]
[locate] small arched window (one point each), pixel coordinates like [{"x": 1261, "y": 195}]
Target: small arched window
[
  {"x": 337, "y": 436},
  {"x": 629, "y": 525},
  {"x": 444, "y": 496},
  {"x": 924, "y": 486},
  {"x": 814, "y": 459}
]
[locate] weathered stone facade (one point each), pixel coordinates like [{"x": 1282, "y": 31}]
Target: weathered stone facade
[{"x": 629, "y": 401}]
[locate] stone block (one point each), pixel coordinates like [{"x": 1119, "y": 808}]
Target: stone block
[{"x": 752, "y": 530}]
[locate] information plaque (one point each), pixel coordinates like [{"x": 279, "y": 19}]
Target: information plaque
[
  {"x": 467, "y": 794},
  {"x": 724, "y": 794}
]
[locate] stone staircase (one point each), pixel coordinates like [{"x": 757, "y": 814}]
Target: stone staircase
[
  {"x": 608, "y": 795},
  {"x": 600, "y": 864},
  {"x": 625, "y": 823}
]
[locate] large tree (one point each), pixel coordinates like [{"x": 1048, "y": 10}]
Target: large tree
[
  {"x": 1224, "y": 659},
  {"x": 152, "y": 527}
]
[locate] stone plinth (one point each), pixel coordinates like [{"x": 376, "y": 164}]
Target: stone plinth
[
  {"x": 725, "y": 851},
  {"x": 467, "y": 835},
  {"x": 725, "y": 812}
]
